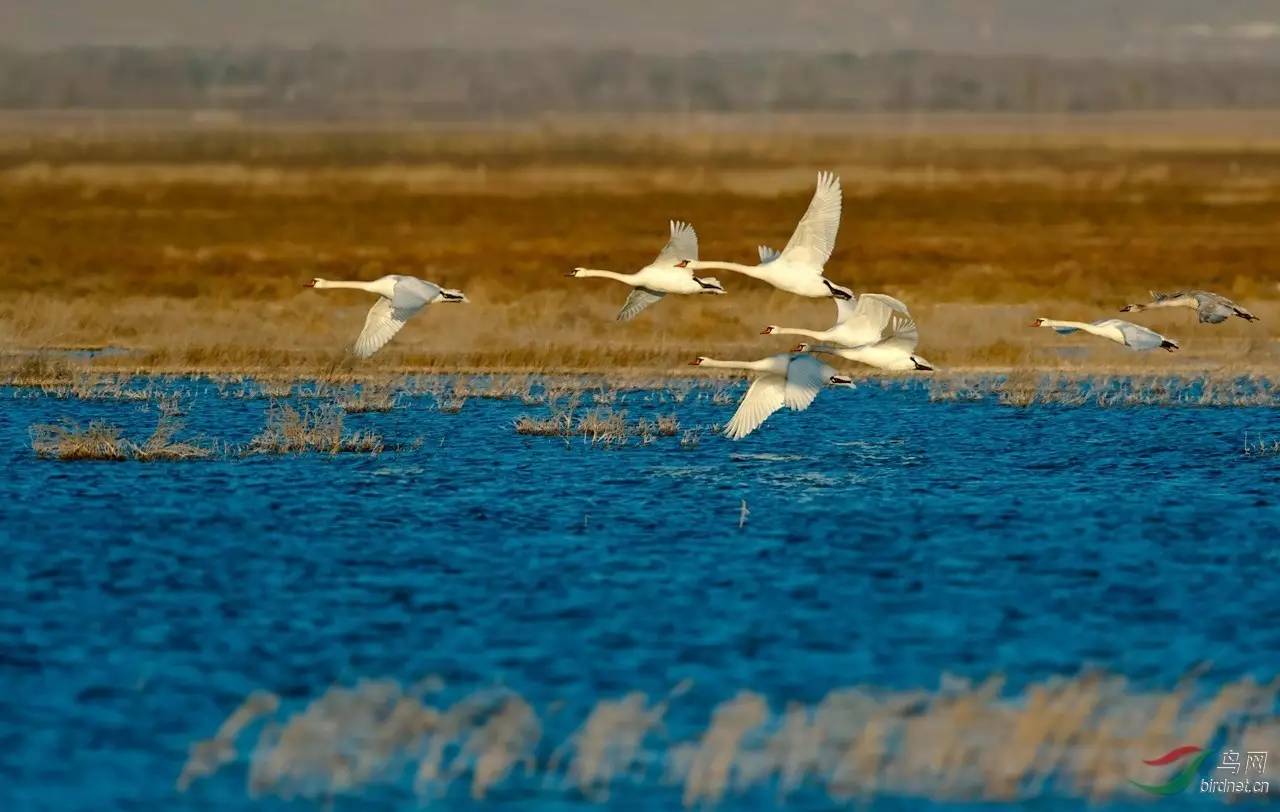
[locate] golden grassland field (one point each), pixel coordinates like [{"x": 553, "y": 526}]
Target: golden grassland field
[{"x": 188, "y": 248}]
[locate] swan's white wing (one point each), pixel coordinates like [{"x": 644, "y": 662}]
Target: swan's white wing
[
  {"x": 765, "y": 396},
  {"x": 412, "y": 293},
  {"x": 383, "y": 322},
  {"x": 846, "y": 309},
  {"x": 1135, "y": 336},
  {"x": 897, "y": 328},
  {"x": 815, "y": 237},
  {"x": 806, "y": 376},
  {"x": 682, "y": 245},
  {"x": 876, "y": 319},
  {"x": 639, "y": 299},
  {"x": 767, "y": 254}
]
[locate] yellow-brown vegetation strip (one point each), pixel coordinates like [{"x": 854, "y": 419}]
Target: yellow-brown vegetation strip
[
  {"x": 194, "y": 267},
  {"x": 1080, "y": 737}
]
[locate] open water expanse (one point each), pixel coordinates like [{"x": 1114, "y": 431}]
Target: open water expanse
[{"x": 891, "y": 542}]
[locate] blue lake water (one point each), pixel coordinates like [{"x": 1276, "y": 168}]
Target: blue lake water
[{"x": 890, "y": 541}]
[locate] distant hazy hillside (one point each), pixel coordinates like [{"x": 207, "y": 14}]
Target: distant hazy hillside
[{"x": 330, "y": 82}]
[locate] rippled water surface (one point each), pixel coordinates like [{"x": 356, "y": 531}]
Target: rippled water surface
[{"x": 889, "y": 541}]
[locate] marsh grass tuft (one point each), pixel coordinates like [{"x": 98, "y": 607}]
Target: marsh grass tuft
[
  {"x": 161, "y": 446},
  {"x": 368, "y": 398},
  {"x": 289, "y": 431},
  {"x": 600, "y": 426},
  {"x": 69, "y": 441},
  {"x": 103, "y": 441}
]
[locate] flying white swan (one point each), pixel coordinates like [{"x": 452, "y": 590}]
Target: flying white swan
[
  {"x": 876, "y": 330},
  {"x": 791, "y": 380},
  {"x": 1212, "y": 308},
  {"x": 1133, "y": 336},
  {"x": 798, "y": 268},
  {"x": 662, "y": 276},
  {"x": 401, "y": 297}
]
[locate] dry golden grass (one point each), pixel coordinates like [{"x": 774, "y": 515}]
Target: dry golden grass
[
  {"x": 189, "y": 249},
  {"x": 68, "y": 441},
  {"x": 290, "y": 431},
  {"x": 101, "y": 441},
  {"x": 1080, "y": 737}
]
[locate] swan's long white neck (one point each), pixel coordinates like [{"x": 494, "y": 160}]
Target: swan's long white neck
[
  {"x": 1179, "y": 302},
  {"x": 1076, "y": 325},
  {"x": 587, "y": 273},
  {"x": 754, "y": 366},
  {"x": 365, "y": 286},
  {"x": 754, "y": 271},
  {"x": 822, "y": 335}
]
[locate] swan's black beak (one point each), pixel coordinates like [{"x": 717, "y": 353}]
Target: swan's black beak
[
  {"x": 697, "y": 362},
  {"x": 310, "y": 284}
]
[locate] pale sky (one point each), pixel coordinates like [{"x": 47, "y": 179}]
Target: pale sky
[{"x": 1175, "y": 29}]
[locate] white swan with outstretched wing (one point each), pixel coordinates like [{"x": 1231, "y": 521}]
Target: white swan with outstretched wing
[
  {"x": 664, "y": 275},
  {"x": 799, "y": 267},
  {"x": 790, "y": 380},
  {"x": 400, "y": 298}
]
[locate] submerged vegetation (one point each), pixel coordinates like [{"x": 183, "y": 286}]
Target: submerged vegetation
[
  {"x": 1261, "y": 447},
  {"x": 1078, "y": 737},
  {"x": 1024, "y": 388},
  {"x": 598, "y": 425},
  {"x": 633, "y": 409}
]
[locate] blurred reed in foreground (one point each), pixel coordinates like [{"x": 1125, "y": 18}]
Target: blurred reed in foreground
[{"x": 1080, "y": 737}]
